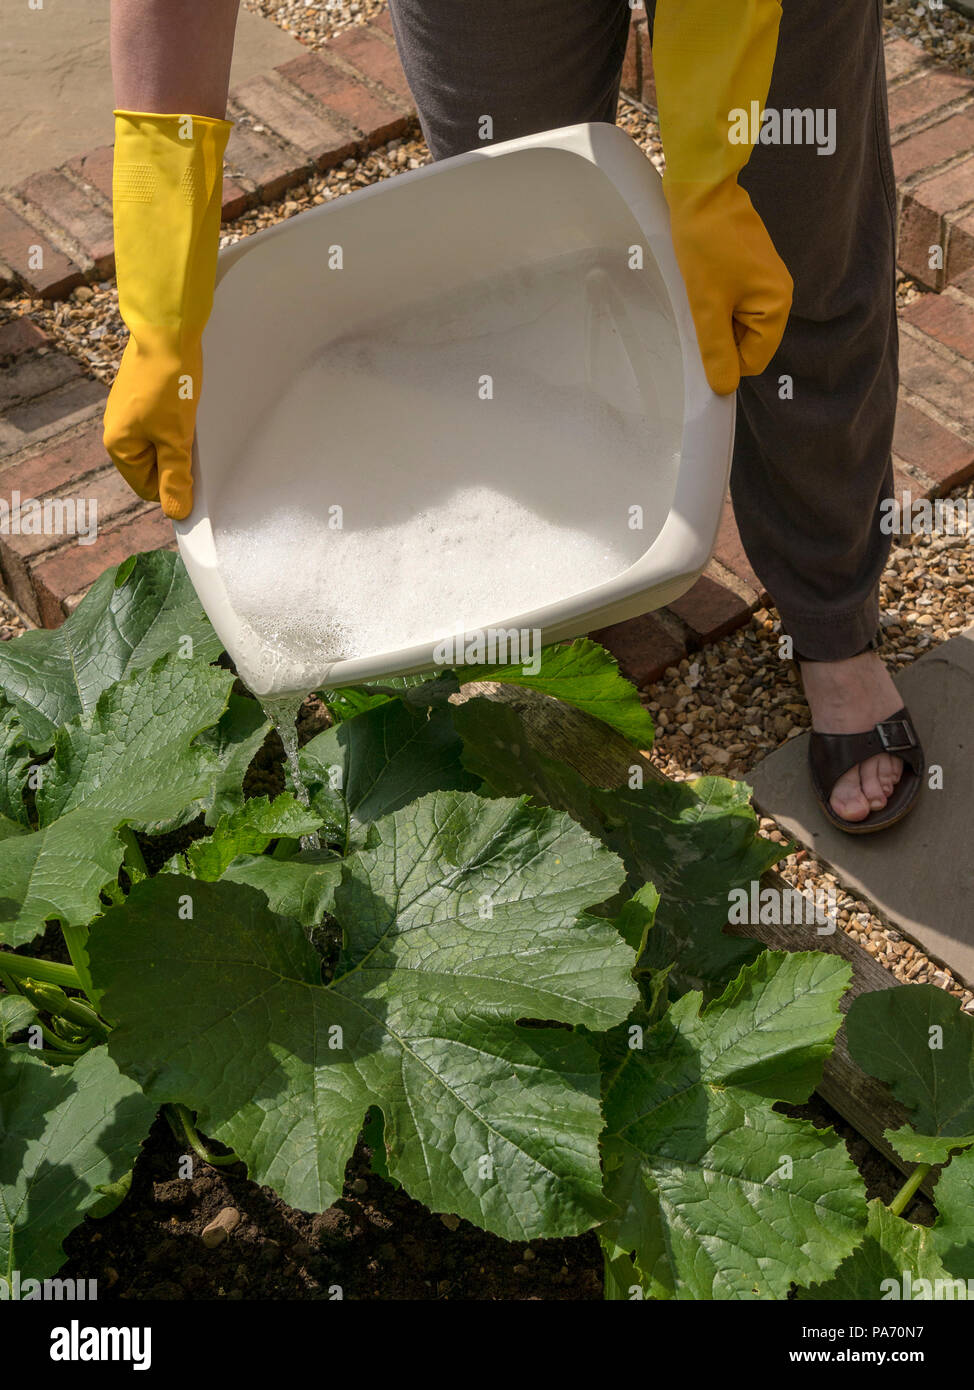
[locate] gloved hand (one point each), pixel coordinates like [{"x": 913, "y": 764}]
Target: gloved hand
[
  {"x": 167, "y": 194},
  {"x": 711, "y": 57}
]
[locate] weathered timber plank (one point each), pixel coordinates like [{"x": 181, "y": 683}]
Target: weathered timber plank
[{"x": 604, "y": 758}]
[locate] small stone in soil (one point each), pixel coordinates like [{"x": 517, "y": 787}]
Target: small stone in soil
[{"x": 221, "y": 1227}]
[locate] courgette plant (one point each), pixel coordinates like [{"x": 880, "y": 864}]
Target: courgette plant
[{"x": 520, "y": 978}]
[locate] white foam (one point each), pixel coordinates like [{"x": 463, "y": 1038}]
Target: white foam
[
  {"x": 456, "y": 510},
  {"x": 470, "y": 560}
]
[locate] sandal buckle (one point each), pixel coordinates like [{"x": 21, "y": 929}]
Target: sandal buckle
[{"x": 893, "y": 743}]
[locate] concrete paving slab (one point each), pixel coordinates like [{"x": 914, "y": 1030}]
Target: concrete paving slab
[
  {"x": 56, "y": 82},
  {"x": 920, "y": 873}
]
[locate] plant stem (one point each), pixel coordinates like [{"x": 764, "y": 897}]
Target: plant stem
[
  {"x": 191, "y": 1135},
  {"x": 78, "y": 1011},
  {"x": 76, "y": 940},
  {"x": 60, "y": 1044},
  {"x": 46, "y": 972},
  {"x": 134, "y": 862},
  {"x": 899, "y": 1203}
]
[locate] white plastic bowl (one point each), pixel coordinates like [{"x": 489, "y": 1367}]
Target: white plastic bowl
[{"x": 532, "y": 243}]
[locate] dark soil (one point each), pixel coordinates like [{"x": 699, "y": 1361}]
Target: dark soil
[{"x": 375, "y": 1243}]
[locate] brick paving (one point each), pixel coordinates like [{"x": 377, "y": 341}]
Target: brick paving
[{"x": 311, "y": 113}]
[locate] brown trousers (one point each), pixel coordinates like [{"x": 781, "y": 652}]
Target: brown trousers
[{"x": 809, "y": 471}]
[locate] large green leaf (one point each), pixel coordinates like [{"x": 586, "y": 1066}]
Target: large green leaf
[
  {"x": 917, "y": 1039},
  {"x": 65, "y": 1132},
  {"x": 694, "y": 841},
  {"x": 953, "y": 1235},
  {"x": 16, "y": 1014},
  {"x": 232, "y": 743},
  {"x": 462, "y": 918},
  {"x": 302, "y": 886},
  {"x": 721, "y": 1197},
  {"x": 132, "y": 615},
  {"x": 15, "y": 760},
  {"x": 361, "y": 769},
  {"x": 131, "y": 762},
  {"x": 584, "y": 675},
  {"x": 377, "y": 762},
  {"x": 890, "y": 1264},
  {"x": 248, "y": 830}
]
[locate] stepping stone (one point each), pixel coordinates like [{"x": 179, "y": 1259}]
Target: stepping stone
[
  {"x": 920, "y": 873},
  {"x": 56, "y": 80}
]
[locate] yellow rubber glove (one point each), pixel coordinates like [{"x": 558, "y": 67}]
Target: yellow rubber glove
[
  {"x": 712, "y": 58},
  {"x": 167, "y": 194}
]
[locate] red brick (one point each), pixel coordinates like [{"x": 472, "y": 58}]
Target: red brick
[
  {"x": 367, "y": 54},
  {"x": 56, "y": 276},
  {"x": 946, "y": 192},
  {"x": 946, "y": 384},
  {"x": 60, "y": 461},
  {"x": 730, "y": 552},
  {"x": 235, "y": 200},
  {"x": 903, "y": 59},
  {"x": 631, "y": 66},
  {"x": 647, "y": 76},
  {"x": 965, "y": 282},
  {"x": 20, "y": 336},
  {"x": 925, "y": 94},
  {"x": 710, "y": 610},
  {"x": 111, "y": 497},
  {"x": 383, "y": 21},
  {"x": 919, "y": 440},
  {"x": 370, "y": 116},
  {"x": 643, "y": 647},
  {"x": 921, "y": 227},
  {"x": 21, "y": 554},
  {"x": 960, "y": 247},
  {"x": 76, "y": 567},
  {"x": 95, "y": 168},
  {"x": 950, "y": 322},
  {"x": 50, "y": 414},
  {"x": 295, "y": 121},
  {"x": 934, "y": 146},
  {"x": 261, "y": 160},
  {"x": 33, "y": 376},
  {"x": 70, "y": 208}
]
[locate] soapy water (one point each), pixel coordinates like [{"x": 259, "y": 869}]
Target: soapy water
[
  {"x": 457, "y": 469},
  {"x": 282, "y": 711}
]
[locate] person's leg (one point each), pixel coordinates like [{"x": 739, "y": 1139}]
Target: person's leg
[
  {"x": 529, "y": 65},
  {"x": 811, "y": 469},
  {"x": 812, "y": 454}
]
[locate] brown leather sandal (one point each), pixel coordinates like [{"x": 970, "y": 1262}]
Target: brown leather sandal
[{"x": 831, "y": 755}]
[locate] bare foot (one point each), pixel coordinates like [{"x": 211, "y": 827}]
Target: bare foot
[{"x": 849, "y": 697}]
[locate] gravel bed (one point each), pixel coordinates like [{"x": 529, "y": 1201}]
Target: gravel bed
[
  {"x": 946, "y": 35},
  {"x": 314, "y": 21},
  {"x": 12, "y": 621}
]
